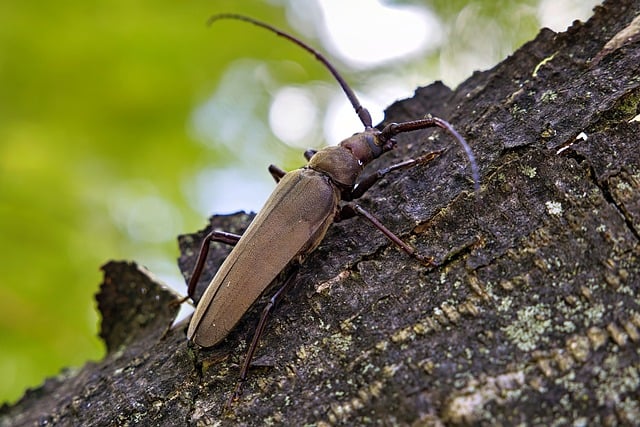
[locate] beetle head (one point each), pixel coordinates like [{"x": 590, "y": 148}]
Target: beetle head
[
  {"x": 344, "y": 162},
  {"x": 368, "y": 145}
]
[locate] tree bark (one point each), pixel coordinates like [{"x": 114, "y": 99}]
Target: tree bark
[{"x": 531, "y": 314}]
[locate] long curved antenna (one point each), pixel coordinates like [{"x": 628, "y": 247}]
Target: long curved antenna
[
  {"x": 394, "y": 129},
  {"x": 362, "y": 112}
]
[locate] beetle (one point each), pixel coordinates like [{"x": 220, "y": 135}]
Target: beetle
[{"x": 303, "y": 205}]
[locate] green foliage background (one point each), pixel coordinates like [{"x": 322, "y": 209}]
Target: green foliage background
[{"x": 97, "y": 98}]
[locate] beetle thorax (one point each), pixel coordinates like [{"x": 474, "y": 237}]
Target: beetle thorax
[
  {"x": 344, "y": 162},
  {"x": 338, "y": 163}
]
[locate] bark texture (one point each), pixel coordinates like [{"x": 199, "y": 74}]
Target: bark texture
[{"x": 531, "y": 315}]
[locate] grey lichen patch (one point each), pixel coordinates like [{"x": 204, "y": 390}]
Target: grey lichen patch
[
  {"x": 339, "y": 342},
  {"x": 341, "y": 412},
  {"x": 554, "y": 208},
  {"x": 549, "y": 95},
  {"x": 629, "y": 410},
  {"x": 594, "y": 313},
  {"x": 468, "y": 405},
  {"x": 530, "y": 327},
  {"x": 614, "y": 380},
  {"x": 529, "y": 171},
  {"x": 504, "y": 306},
  {"x": 517, "y": 112}
]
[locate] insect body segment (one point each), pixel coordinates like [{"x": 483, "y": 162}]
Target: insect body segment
[{"x": 295, "y": 218}]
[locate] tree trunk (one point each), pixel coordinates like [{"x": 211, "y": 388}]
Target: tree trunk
[{"x": 531, "y": 313}]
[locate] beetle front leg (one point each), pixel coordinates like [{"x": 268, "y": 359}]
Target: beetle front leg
[
  {"x": 308, "y": 154},
  {"x": 368, "y": 180},
  {"x": 276, "y": 173},
  {"x": 351, "y": 209}
]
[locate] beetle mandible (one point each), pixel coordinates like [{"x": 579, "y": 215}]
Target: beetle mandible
[{"x": 303, "y": 205}]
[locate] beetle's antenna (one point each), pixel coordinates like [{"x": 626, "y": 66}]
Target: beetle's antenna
[
  {"x": 362, "y": 112},
  {"x": 395, "y": 128}
]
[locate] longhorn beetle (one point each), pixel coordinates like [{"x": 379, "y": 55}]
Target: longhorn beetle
[{"x": 302, "y": 207}]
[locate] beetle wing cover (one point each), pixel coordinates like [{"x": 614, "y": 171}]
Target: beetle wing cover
[{"x": 292, "y": 222}]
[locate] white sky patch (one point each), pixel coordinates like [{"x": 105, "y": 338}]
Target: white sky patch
[
  {"x": 558, "y": 15},
  {"x": 341, "y": 121},
  {"x": 293, "y": 115},
  {"x": 230, "y": 190},
  {"x": 365, "y": 33}
]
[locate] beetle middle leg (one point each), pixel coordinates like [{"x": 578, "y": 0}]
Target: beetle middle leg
[
  {"x": 351, "y": 209},
  {"x": 367, "y": 181}
]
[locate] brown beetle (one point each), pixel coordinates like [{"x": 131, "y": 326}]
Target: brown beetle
[{"x": 303, "y": 205}]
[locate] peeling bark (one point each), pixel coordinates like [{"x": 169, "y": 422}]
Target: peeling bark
[{"x": 531, "y": 314}]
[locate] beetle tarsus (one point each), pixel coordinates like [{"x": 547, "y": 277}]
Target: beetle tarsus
[
  {"x": 427, "y": 261},
  {"x": 235, "y": 396}
]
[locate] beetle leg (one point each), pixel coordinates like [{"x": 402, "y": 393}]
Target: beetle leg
[
  {"x": 309, "y": 153},
  {"x": 368, "y": 180},
  {"x": 214, "y": 236},
  {"x": 264, "y": 317},
  {"x": 276, "y": 172},
  {"x": 352, "y": 209}
]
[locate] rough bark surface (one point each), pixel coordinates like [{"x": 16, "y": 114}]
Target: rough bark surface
[{"x": 530, "y": 316}]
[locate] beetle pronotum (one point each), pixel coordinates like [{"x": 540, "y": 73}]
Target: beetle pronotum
[{"x": 303, "y": 205}]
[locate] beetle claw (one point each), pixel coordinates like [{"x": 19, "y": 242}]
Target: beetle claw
[
  {"x": 235, "y": 396},
  {"x": 427, "y": 261}
]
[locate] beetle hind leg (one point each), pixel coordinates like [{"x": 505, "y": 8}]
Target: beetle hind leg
[
  {"x": 368, "y": 180},
  {"x": 214, "y": 236}
]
